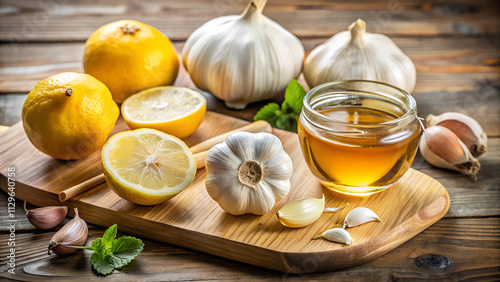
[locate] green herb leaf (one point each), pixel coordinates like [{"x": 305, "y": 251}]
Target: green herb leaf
[
  {"x": 102, "y": 263},
  {"x": 294, "y": 96},
  {"x": 124, "y": 250},
  {"x": 286, "y": 116},
  {"x": 110, "y": 253},
  {"x": 109, "y": 236},
  {"x": 269, "y": 113}
]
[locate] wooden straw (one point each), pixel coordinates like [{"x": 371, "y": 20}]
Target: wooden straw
[{"x": 200, "y": 152}]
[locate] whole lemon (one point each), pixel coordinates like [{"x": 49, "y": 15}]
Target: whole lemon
[
  {"x": 69, "y": 115},
  {"x": 129, "y": 56}
]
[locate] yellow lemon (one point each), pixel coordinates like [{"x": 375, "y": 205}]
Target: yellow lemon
[
  {"x": 69, "y": 115},
  {"x": 129, "y": 56},
  {"x": 147, "y": 166},
  {"x": 178, "y": 111}
]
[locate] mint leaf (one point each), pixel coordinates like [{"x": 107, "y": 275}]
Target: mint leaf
[
  {"x": 124, "y": 250},
  {"x": 110, "y": 253},
  {"x": 294, "y": 96},
  {"x": 101, "y": 263},
  {"x": 269, "y": 113},
  {"x": 109, "y": 236},
  {"x": 286, "y": 116}
]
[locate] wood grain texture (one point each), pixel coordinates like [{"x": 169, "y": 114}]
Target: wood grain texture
[
  {"x": 193, "y": 220},
  {"x": 471, "y": 244},
  {"x": 32, "y": 21}
]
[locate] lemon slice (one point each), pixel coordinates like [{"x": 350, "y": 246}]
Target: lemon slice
[
  {"x": 178, "y": 111},
  {"x": 147, "y": 166}
]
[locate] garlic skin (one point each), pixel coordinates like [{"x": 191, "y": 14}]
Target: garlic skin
[
  {"x": 356, "y": 54},
  {"x": 360, "y": 216},
  {"x": 337, "y": 235},
  {"x": 442, "y": 148},
  {"x": 73, "y": 233},
  {"x": 331, "y": 209},
  {"x": 248, "y": 173},
  {"x": 301, "y": 212},
  {"x": 243, "y": 58},
  {"x": 46, "y": 217},
  {"x": 466, "y": 128}
]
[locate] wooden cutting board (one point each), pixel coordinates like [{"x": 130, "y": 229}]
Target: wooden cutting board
[{"x": 193, "y": 220}]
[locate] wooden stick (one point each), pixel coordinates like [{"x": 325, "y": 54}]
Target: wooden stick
[{"x": 200, "y": 152}]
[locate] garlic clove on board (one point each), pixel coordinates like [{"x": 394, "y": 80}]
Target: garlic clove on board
[
  {"x": 243, "y": 58},
  {"x": 360, "y": 216},
  {"x": 248, "y": 173},
  {"x": 46, "y": 217},
  {"x": 467, "y": 129},
  {"x": 357, "y": 54},
  {"x": 73, "y": 233},
  {"x": 337, "y": 235},
  {"x": 442, "y": 148},
  {"x": 300, "y": 213}
]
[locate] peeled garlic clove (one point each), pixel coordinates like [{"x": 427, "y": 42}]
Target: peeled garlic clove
[
  {"x": 46, "y": 217},
  {"x": 466, "y": 128},
  {"x": 335, "y": 209},
  {"x": 360, "y": 216},
  {"x": 301, "y": 212},
  {"x": 337, "y": 235},
  {"x": 73, "y": 233},
  {"x": 442, "y": 148}
]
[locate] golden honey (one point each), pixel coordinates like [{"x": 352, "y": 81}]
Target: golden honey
[{"x": 358, "y": 143}]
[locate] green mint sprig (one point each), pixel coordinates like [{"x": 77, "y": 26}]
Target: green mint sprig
[
  {"x": 110, "y": 253},
  {"x": 286, "y": 116}
]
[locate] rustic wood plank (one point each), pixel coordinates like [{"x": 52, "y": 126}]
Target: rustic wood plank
[
  {"x": 454, "y": 74},
  {"x": 466, "y": 242},
  {"x": 32, "y": 21}
]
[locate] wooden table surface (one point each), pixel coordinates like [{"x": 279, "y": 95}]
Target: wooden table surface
[{"x": 454, "y": 44}]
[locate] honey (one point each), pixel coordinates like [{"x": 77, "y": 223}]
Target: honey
[
  {"x": 357, "y": 164},
  {"x": 358, "y": 142}
]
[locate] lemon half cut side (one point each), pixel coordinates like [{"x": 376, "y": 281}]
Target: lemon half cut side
[
  {"x": 178, "y": 111},
  {"x": 147, "y": 166}
]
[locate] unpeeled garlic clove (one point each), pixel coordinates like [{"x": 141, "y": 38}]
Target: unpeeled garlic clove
[
  {"x": 46, "y": 217},
  {"x": 301, "y": 212},
  {"x": 337, "y": 235},
  {"x": 466, "y": 128},
  {"x": 442, "y": 148},
  {"x": 360, "y": 216},
  {"x": 73, "y": 233}
]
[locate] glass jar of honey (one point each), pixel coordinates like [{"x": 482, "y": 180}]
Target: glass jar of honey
[{"x": 358, "y": 136}]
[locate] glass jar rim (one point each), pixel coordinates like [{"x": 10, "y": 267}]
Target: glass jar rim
[{"x": 412, "y": 104}]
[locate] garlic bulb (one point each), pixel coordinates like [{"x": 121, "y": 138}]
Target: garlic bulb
[
  {"x": 356, "y": 54},
  {"x": 243, "y": 58},
  {"x": 360, "y": 216},
  {"x": 442, "y": 148},
  {"x": 301, "y": 212},
  {"x": 466, "y": 128},
  {"x": 337, "y": 235},
  {"x": 248, "y": 173}
]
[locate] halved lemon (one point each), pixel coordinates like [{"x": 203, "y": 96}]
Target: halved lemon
[
  {"x": 147, "y": 166},
  {"x": 178, "y": 111}
]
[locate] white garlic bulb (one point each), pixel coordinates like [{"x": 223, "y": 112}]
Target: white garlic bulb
[
  {"x": 356, "y": 54},
  {"x": 248, "y": 173},
  {"x": 243, "y": 58}
]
